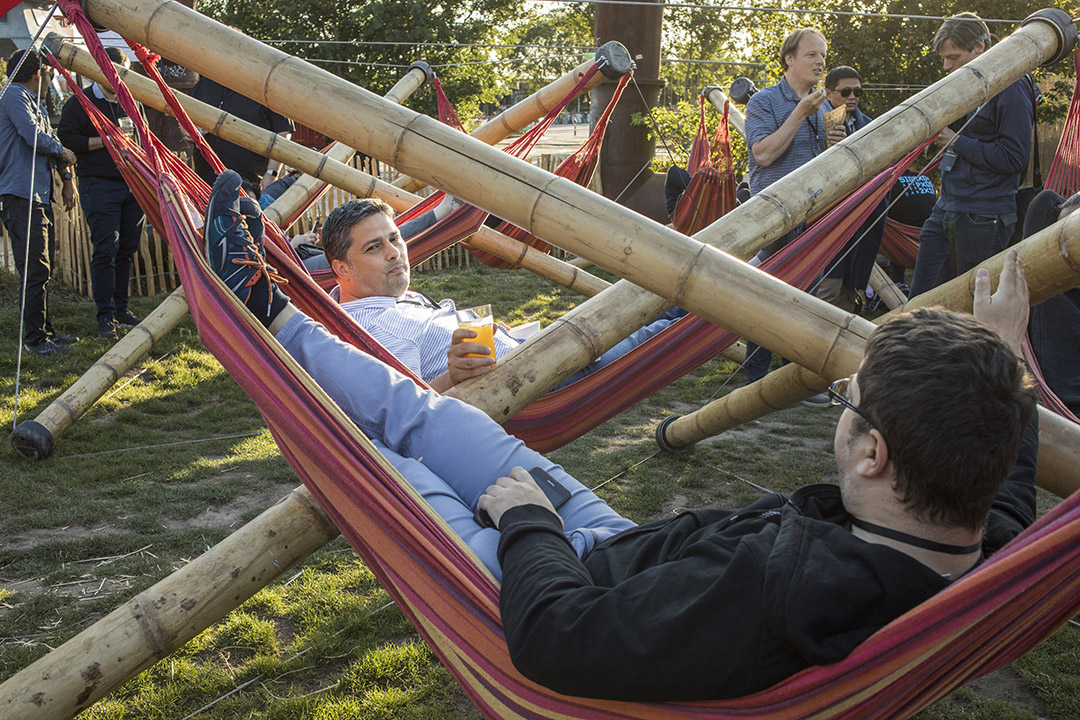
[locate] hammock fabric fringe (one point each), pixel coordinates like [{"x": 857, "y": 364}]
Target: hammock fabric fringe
[{"x": 984, "y": 620}]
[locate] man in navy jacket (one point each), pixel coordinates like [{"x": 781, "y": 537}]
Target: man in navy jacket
[{"x": 980, "y": 170}]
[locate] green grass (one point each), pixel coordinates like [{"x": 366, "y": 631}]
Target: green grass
[{"x": 176, "y": 457}]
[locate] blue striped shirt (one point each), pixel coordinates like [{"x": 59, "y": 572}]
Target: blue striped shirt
[
  {"x": 765, "y": 113},
  {"x": 417, "y": 333}
]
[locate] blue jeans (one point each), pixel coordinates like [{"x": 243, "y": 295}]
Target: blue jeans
[
  {"x": 627, "y": 344},
  {"x": 951, "y": 243},
  {"x": 449, "y": 452}
]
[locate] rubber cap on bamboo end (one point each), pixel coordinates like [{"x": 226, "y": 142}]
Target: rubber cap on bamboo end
[
  {"x": 424, "y": 68},
  {"x": 33, "y": 440},
  {"x": 1063, "y": 26},
  {"x": 614, "y": 59},
  {"x": 662, "y": 441}
]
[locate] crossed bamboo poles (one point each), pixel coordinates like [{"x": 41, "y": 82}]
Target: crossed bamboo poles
[
  {"x": 37, "y": 438},
  {"x": 167, "y": 615}
]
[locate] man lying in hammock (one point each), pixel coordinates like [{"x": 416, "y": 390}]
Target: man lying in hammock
[
  {"x": 936, "y": 461},
  {"x": 368, "y": 256}
]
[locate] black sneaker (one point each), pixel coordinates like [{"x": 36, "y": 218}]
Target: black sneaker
[
  {"x": 62, "y": 339},
  {"x": 126, "y": 319},
  {"x": 106, "y": 328},
  {"x": 236, "y": 256},
  {"x": 45, "y": 348}
]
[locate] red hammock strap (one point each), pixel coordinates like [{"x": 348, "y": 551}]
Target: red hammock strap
[
  {"x": 447, "y": 114},
  {"x": 524, "y": 144},
  {"x": 700, "y": 155},
  {"x": 149, "y": 63},
  {"x": 1064, "y": 174}
]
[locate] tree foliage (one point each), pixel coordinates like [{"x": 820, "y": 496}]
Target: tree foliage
[{"x": 372, "y": 43}]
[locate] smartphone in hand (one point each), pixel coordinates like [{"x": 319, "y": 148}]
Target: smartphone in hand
[{"x": 555, "y": 491}]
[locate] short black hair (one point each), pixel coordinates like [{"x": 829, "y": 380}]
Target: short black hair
[
  {"x": 118, "y": 56},
  {"x": 29, "y": 67},
  {"x": 841, "y": 72}
]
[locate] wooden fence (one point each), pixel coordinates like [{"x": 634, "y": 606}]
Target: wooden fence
[{"x": 154, "y": 272}]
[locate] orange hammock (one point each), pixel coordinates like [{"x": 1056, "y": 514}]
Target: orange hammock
[
  {"x": 900, "y": 243},
  {"x": 711, "y": 191},
  {"x": 984, "y": 620}
]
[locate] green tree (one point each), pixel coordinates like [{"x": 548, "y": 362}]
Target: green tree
[{"x": 372, "y": 43}]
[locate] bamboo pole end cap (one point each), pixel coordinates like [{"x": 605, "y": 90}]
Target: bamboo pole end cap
[
  {"x": 662, "y": 440},
  {"x": 33, "y": 440},
  {"x": 1063, "y": 27},
  {"x": 424, "y": 68},
  {"x": 614, "y": 59}
]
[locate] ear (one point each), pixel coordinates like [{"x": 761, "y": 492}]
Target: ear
[
  {"x": 340, "y": 268},
  {"x": 980, "y": 48},
  {"x": 874, "y": 451}
]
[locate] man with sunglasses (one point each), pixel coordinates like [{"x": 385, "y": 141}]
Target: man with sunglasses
[
  {"x": 850, "y": 272},
  {"x": 709, "y": 603}
]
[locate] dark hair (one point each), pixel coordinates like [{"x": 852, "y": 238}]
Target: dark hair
[
  {"x": 791, "y": 43},
  {"x": 118, "y": 56},
  {"x": 29, "y": 67},
  {"x": 952, "y": 401},
  {"x": 965, "y": 30},
  {"x": 841, "y": 72},
  {"x": 340, "y": 222}
]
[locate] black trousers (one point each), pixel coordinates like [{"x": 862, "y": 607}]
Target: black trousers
[
  {"x": 116, "y": 228},
  {"x": 34, "y": 258}
]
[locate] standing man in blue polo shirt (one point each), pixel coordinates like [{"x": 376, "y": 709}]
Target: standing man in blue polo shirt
[
  {"x": 785, "y": 129},
  {"x": 981, "y": 169},
  {"x": 29, "y": 150}
]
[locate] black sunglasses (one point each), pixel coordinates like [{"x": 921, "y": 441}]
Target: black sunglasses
[
  {"x": 838, "y": 395},
  {"x": 848, "y": 91}
]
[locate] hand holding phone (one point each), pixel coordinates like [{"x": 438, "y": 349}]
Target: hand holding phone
[{"x": 555, "y": 492}]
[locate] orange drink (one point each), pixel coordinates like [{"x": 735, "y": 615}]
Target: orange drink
[{"x": 479, "y": 320}]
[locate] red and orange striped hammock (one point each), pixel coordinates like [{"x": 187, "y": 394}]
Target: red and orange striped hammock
[
  {"x": 984, "y": 620},
  {"x": 711, "y": 191}
]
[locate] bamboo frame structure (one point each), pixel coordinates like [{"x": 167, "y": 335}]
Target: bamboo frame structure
[
  {"x": 614, "y": 60},
  {"x": 889, "y": 292},
  {"x": 36, "y": 438},
  {"x": 59, "y": 680},
  {"x": 1051, "y": 261},
  {"x": 709, "y": 283}
]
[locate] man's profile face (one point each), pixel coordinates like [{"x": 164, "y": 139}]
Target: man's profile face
[
  {"x": 377, "y": 262},
  {"x": 954, "y": 57},
  {"x": 836, "y": 95},
  {"x": 807, "y": 63}
]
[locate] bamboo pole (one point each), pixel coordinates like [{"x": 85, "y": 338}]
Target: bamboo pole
[
  {"x": 716, "y": 96},
  {"x": 1051, "y": 260},
  {"x": 614, "y": 60},
  {"x": 889, "y": 292}
]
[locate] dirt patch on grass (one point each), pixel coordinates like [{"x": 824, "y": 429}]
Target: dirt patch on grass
[
  {"x": 1007, "y": 685},
  {"x": 231, "y": 515}
]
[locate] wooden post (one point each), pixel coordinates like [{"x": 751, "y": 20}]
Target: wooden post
[
  {"x": 886, "y": 289},
  {"x": 1050, "y": 268}
]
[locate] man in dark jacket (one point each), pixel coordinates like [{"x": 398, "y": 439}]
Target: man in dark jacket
[
  {"x": 980, "y": 170},
  {"x": 712, "y": 603},
  {"x": 112, "y": 212}
]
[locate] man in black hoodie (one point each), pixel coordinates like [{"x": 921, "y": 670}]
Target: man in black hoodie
[{"x": 112, "y": 212}]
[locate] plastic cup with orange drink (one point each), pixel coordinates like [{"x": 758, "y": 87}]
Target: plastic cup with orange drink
[{"x": 480, "y": 320}]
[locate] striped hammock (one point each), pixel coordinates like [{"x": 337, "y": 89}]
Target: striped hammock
[
  {"x": 1064, "y": 174},
  {"x": 984, "y": 620},
  {"x": 711, "y": 191}
]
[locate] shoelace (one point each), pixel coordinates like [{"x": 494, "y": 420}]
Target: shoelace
[{"x": 253, "y": 258}]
